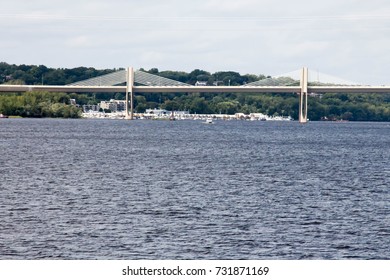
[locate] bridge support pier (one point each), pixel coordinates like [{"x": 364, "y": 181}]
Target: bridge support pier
[
  {"x": 130, "y": 91},
  {"x": 303, "y": 96}
]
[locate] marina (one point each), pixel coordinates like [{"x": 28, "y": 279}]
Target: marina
[{"x": 185, "y": 116}]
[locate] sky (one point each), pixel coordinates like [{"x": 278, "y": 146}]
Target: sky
[{"x": 349, "y": 39}]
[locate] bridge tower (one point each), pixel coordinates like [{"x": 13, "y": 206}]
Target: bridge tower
[
  {"x": 130, "y": 91},
  {"x": 303, "y": 96}
]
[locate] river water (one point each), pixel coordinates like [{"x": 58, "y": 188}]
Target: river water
[{"x": 115, "y": 189}]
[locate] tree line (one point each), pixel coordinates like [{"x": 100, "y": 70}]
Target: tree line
[
  {"x": 354, "y": 107},
  {"x": 38, "y": 105}
]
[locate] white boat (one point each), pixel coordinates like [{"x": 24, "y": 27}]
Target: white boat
[{"x": 209, "y": 120}]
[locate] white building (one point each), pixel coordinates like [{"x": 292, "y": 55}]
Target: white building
[
  {"x": 200, "y": 84},
  {"x": 113, "y": 105},
  {"x": 157, "y": 112}
]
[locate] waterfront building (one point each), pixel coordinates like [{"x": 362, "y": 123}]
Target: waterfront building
[
  {"x": 89, "y": 108},
  {"x": 157, "y": 112},
  {"x": 113, "y": 105}
]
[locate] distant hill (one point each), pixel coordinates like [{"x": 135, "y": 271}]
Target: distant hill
[
  {"x": 34, "y": 75},
  {"x": 37, "y": 75}
]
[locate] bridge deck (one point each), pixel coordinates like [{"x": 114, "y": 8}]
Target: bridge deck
[{"x": 201, "y": 89}]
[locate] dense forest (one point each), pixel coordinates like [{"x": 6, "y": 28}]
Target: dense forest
[{"x": 354, "y": 107}]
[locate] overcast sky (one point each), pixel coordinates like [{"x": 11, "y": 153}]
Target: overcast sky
[{"x": 345, "y": 38}]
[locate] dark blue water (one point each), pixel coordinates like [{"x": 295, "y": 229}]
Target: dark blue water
[{"x": 106, "y": 189}]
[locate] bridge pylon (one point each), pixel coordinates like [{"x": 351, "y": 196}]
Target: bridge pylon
[
  {"x": 303, "y": 95},
  {"x": 130, "y": 91}
]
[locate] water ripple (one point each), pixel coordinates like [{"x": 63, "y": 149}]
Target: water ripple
[{"x": 96, "y": 189}]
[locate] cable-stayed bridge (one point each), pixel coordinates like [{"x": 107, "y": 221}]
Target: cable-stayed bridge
[{"x": 301, "y": 82}]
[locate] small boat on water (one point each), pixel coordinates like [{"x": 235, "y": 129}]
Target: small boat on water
[
  {"x": 172, "y": 117},
  {"x": 3, "y": 116},
  {"x": 209, "y": 120}
]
